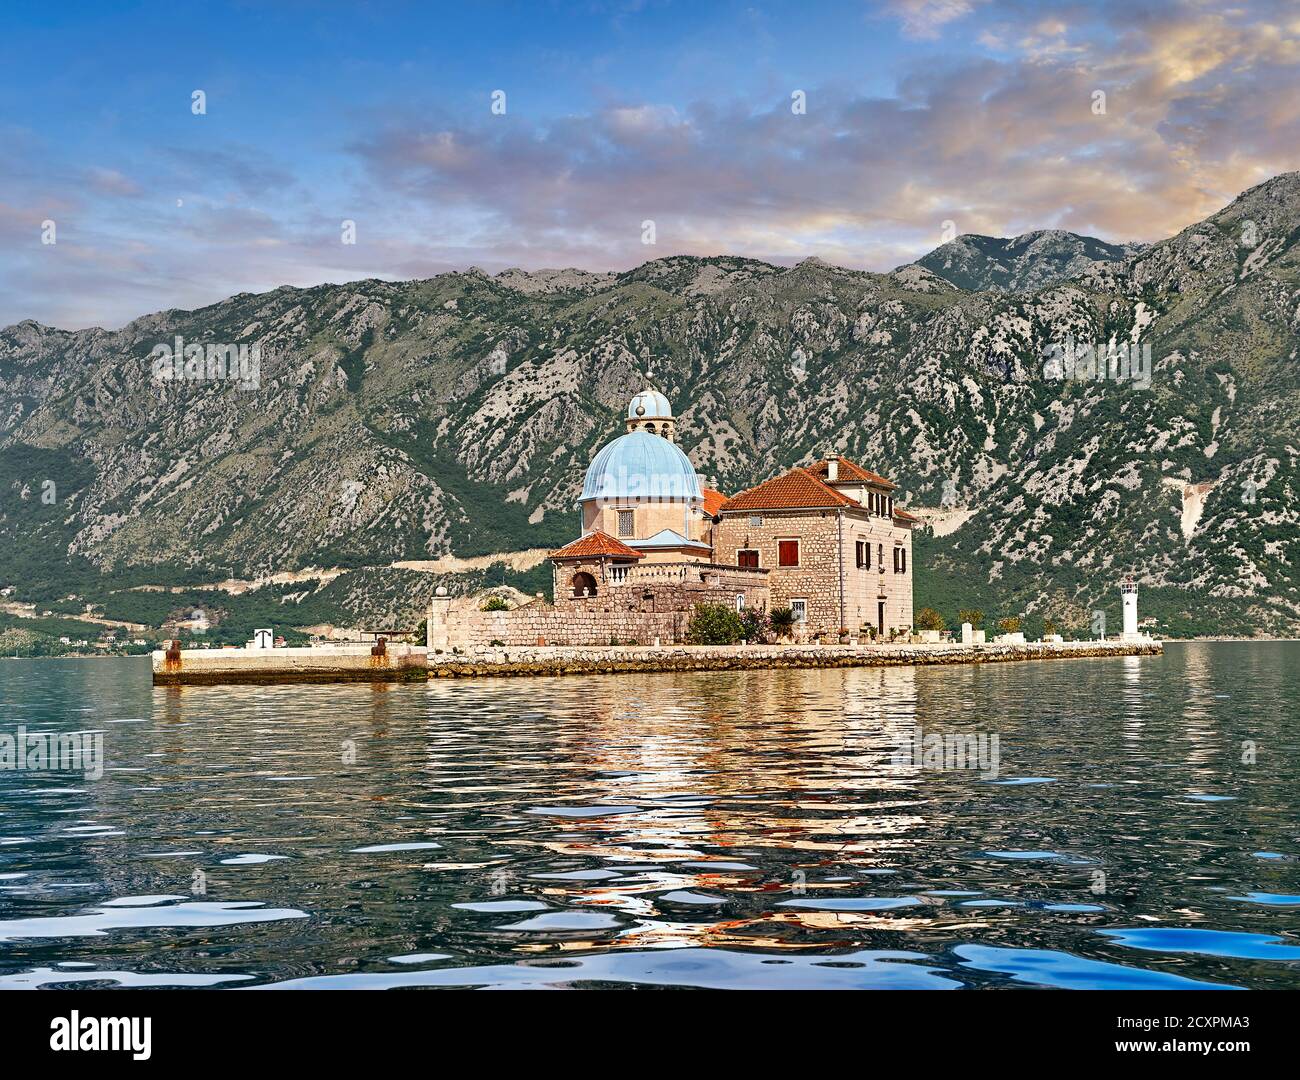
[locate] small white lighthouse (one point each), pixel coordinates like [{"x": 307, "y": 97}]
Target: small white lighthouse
[{"x": 1128, "y": 591}]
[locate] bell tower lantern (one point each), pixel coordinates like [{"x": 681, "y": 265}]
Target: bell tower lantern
[{"x": 650, "y": 412}]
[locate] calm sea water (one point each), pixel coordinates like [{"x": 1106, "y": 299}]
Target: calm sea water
[{"x": 746, "y": 829}]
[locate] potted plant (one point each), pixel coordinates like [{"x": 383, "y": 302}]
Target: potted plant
[{"x": 781, "y": 621}]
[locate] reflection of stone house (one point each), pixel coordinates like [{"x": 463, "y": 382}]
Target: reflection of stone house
[{"x": 656, "y": 542}]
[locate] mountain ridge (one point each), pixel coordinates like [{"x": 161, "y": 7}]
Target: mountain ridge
[{"x": 455, "y": 415}]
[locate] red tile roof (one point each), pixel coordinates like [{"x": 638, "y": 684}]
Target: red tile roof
[
  {"x": 903, "y": 515},
  {"x": 797, "y": 488},
  {"x": 713, "y": 501},
  {"x": 596, "y": 544},
  {"x": 853, "y": 472}
]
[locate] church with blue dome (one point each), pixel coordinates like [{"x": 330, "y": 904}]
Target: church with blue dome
[
  {"x": 826, "y": 540},
  {"x": 643, "y": 491}
]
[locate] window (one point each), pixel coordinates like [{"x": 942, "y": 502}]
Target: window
[
  {"x": 740, "y": 602},
  {"x": 755, "y": 521},
  {"x": 864, "y": 555},
  {"x": 897, "y": 552},
  {"x": 626, "y": 526},
  {"x": 871, "y": 503},
  {"x": 799, "y": 608},
  {"x": 787, "y": 553},
  {"x": 747, "y": 557},
  {"x": 902, "y": 559},
  {"x": 880, "y": 557}
]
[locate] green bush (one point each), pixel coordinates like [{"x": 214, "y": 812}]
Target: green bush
[
  {"x": 714, "y": 624},
  {"x": 929, "y": 619},
  {"x": 757, "y": 624},
  {"x": 495, "y": 603},
  {"x": 1009, "y": 625},
  {"x": 973, "y": 616}
]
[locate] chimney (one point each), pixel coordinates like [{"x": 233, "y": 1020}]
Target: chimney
[{"x": 832, "y": 470}]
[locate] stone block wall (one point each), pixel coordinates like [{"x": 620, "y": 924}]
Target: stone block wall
[
  {"x": 827, "y": 560},
  {"x": 546, "y": 624},
  {"x": 652, "y": 602},
  {"x": 815, "y": 579}
]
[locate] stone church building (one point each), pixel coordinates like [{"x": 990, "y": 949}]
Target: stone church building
[{"x": 825, "y": 540}]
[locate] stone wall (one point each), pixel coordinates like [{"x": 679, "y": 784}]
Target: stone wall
[
  {"x": 827, "y": 560},
  {"x": 865, "y": 588},
  {"x": 590, "y": 661},
  {"x": 545, "y": 624},
  {"x": 650, "y": 602}
]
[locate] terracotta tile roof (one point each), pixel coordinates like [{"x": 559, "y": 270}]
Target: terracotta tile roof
[
  {"x": 713, "y": 501},
  {"x": 794, "y": 489},
  {"x": 852, "y": 471},
  {"x": 903, "y": 515},
  {"x": 596, "y": 544}
]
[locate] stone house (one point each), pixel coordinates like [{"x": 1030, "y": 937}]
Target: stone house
[{"x": 838, "y": 549}]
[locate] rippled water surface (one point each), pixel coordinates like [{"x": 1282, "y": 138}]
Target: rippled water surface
[{"x": 746, "y": 829}]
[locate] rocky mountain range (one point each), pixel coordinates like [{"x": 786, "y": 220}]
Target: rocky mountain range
[
  {"x": 1023, "y": 263},
  {"x": 398, "y": 421}
]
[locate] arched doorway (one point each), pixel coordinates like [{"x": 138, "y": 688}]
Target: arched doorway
[{"x": 584, "y": 584}]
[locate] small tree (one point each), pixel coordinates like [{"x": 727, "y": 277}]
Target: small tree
[
  {"x": 714, "y": 624},
  {"x": 1049, "y": 627},
  {"x": 1009, "y": 625},
  {"x": 929, "y": 619},
  {"x": 973, "y": 616},
  {"x": 495, "y": 603},
  {"x": 757, "y": 624},
  {"x": 781, "y": 621}
]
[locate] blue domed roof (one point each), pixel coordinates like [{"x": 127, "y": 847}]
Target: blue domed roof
[
  {"x": 653, "y": 406},
  {"x": 641, "y": 465}
]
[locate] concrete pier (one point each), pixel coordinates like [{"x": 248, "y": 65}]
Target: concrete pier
[
  {"x": 358, "y": 663},
  {"x": 319, "y": 663},
  {"x": 582, "y": 660}
]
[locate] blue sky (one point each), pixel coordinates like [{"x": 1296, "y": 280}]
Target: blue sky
[{"x": 919, "y": 112}]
